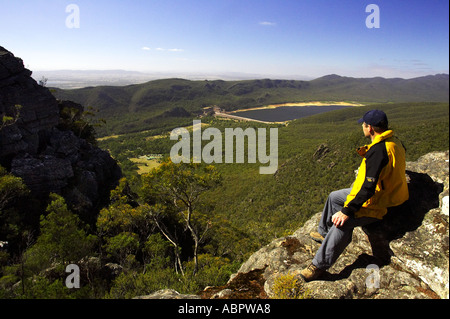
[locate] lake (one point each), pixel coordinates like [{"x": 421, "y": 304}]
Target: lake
[{"x": 288, "y": 113}]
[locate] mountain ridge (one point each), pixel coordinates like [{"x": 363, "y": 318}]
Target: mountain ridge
[{"x": 138, "y": 105}]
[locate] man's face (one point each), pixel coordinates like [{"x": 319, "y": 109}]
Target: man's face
[{"x": 366, "y": 129}]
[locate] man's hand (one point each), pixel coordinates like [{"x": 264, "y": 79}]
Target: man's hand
[{"x": 339, "y": 219}]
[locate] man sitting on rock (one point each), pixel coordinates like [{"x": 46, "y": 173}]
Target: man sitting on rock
[{"x": 380, "y": 183}]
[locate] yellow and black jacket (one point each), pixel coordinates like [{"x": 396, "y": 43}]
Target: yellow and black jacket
[{"x": 381, "y": 180}]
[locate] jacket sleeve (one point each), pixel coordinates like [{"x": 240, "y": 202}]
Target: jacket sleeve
[{"x": 376, "y": 159}]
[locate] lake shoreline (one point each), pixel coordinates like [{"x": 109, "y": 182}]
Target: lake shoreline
[
  {"x": 242, "y": 114},
  {"x": 317, "y": 103}
]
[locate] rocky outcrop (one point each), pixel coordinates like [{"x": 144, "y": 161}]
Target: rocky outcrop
[
  {"x": 404, "y": 256},
  {"x": 46, "y": 155},
  {"x": 39, "y": 108}
]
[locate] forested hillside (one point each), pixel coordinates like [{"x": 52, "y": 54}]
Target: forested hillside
[{"x": 164, "y": 104}]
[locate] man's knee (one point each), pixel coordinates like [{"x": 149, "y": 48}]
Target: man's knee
[
  {"x": 339, "y": 196},
  {"x": 334, "y": 195}
]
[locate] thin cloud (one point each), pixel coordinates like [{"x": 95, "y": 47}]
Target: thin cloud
[
  {"x": 162, "y": 49},
  {"x": 268, "y": 23},
  {"x": 413, "y": 64},
  {"x": 406, "y": 70}
]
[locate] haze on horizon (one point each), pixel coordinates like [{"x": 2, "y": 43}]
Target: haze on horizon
[{"x": 290, "y": 39}]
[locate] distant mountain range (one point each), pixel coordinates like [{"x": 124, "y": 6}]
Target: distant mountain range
[
  {"x": 151, "y": 104},
  {"x": 75, "y": 79}
]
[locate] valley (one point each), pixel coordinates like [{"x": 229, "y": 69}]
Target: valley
[
  {"x": 161, "y": 105},
  {"x": 301, "y": 184}
]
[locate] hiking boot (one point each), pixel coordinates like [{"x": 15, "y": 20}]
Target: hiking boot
[
  {"x": 316, "y": 237},
  {"x": 311, "y": 273}
]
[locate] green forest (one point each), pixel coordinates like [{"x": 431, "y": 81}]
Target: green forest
[
  {"x": 188, "y": 226},
  {"x": 161, "y": 105}
]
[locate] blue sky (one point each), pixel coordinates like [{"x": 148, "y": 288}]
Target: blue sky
[{"x": 273, "y": 38}]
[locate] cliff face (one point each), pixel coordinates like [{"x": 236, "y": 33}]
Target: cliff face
[
  {"x": 36, "y": 148},
  {"x": 404, "y": 256},
  {"x": 39, "y": 112}
]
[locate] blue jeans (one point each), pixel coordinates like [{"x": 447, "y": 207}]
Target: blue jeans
[{"x": 336, "y": 238}]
